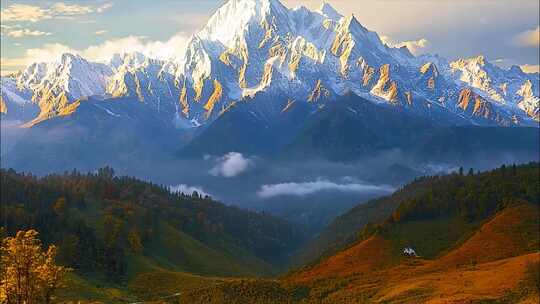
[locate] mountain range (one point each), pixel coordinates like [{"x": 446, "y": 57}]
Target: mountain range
[
  {"x": 347, "y": 153},
  {"x": 296, "y": 92},
  {"x": 275, "y": 59}
]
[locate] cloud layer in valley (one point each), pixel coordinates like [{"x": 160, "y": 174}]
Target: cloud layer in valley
[
  {"x": 307, "y": 188},
  {"x": 231, "y": 164}
]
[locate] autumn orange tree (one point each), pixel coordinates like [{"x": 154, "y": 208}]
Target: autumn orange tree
[{"x": 28, "y": 274}]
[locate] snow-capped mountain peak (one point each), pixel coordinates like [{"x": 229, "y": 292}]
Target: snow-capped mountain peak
[
  {"x": 233, "y": 19},
  {"x": 496, "y": 84},
  {"x": 71, "y": 74},
  {"x": 132, "y": 60},
  {"x": 249, "y": 47}
]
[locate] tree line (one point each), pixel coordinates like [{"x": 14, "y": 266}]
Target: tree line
[{"x": 470, "y": 196}]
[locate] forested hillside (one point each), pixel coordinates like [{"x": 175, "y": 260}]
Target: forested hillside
[
  {"x": 116, "y": 228},
  {"x": 436, "y": 238},
  {"x": 466, "y": 197}
]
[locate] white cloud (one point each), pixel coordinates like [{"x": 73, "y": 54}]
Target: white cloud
[
  {"x": 104, "y": 7},
  {"x": 307, "y": 188},
  {"x": 23, "y": 12},
  {"x": 102, "y": 32},
  {"x": 49, "y": 52},
  {"x": 414, "y": 46},
  {"x": 16, "y": 32},
  {"x": 59, "y": 10},
  {"x": 231, "y": 164},
  {"x": 530, "y": 68},
  {"x": 103, "y": 51},
  {"x": 183, "y": 188},
  {"x": 529, "y": 38},
  {"x": 174, "y": 47}
]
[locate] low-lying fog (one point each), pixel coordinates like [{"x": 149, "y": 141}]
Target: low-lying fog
[{"x": 310, "y": 191}]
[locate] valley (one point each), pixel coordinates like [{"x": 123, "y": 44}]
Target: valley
[
  {"x": 273, "y": 154},
  {"x": 299, "y": 96},
  {"x": 127, "y": 239}
]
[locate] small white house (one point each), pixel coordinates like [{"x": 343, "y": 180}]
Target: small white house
[{"x": 408, "y": 251}]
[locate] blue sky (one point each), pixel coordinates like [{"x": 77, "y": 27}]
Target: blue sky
[{"x": 505, "y": 31}]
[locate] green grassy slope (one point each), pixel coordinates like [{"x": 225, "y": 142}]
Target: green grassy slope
[
  {"x": 175, "y": 250},
  {"x": 80, "y": 288}
]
